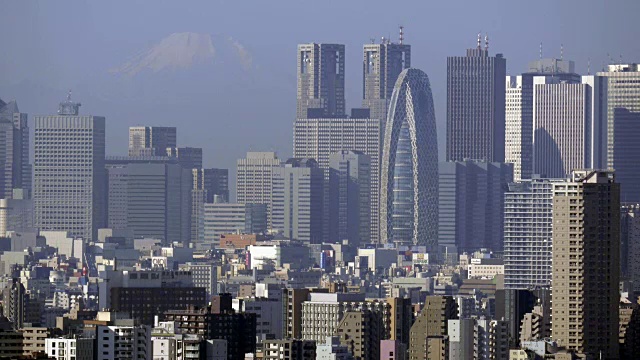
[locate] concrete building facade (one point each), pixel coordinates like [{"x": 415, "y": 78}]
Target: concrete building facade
[
  {"x": 476, "y": 105},
  {"x": 69, "y": 172},
  {"x": 586, "y": 256},
  {"x": 623, "y": 126},
  {"x": 320, "y": 138},
  {"x": 254, "y": 179},
  {"x": 381, "y": 66},
  {"x": 320, "y": 81}
]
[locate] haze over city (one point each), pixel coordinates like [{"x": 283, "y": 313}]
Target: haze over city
[
  {"x": 235, "y": 100},
  {"x": 319, "y": 180}
]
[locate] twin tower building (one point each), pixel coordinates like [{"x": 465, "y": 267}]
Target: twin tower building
[{"x": 397, "y": 102}]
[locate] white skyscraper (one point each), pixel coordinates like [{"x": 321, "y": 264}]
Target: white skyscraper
[
  {"x": 519, "y": 111},
  {"x": 569, "y": 125},
  {"x": 69, "y": 172},
  {"x": 254, "y": 179},
  {"x": 527, "y": 233}
]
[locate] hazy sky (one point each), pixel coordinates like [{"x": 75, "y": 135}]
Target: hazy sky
[{"x": 227, "y": 109}]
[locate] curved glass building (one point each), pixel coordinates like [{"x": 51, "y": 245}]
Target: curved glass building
[{"x": 409, "y": 173}]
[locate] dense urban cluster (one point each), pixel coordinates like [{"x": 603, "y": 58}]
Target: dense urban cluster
[{"x": 523, "y": 244}]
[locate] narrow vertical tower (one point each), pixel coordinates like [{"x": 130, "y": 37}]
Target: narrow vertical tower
[
  {"x": 586, "y": 260},
  {"x": 409, "y": 176}
]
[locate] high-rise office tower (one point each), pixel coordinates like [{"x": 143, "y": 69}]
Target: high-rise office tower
[
  {"x": 381, "y": 67},
  {"x": 151, "y": 140},
  {"x": 568, "y": 125},
  {"x": 69, "y": 172},
  {"x": 471, "y": 198},
  {"x": 320, "y": 81},
  {"x": 320, "y": 138},
  {"x": 475, "y": 105},
  {"x": 527, "y": 233},
  {"x": 623, "y": 127},
  {"x": 297, "y": 200},
  {"x": 519, "y": 111},
  {"x": 254, "y": 178},
  {"x": 409, "y": 176},
  {"x": 350, "y": 197},
  {"x": 188, "y": 157},
  {"x": 151, "y": 196},
  {"x": 586, "y": 261},
  {"x": 15, "y": 170}
]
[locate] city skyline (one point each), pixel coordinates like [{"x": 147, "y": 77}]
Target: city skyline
[{"x": 130, "y": 101}]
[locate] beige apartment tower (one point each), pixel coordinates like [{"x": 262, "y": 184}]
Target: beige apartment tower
[
  {"x": 428, "y": 337},
  {"x": 586, "y": 258}
]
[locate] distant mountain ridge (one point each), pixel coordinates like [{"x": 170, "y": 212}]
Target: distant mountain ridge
[{"x": 184, "y": 50}]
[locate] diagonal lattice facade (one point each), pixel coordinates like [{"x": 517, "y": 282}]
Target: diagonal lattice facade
[{"x": 409, "y": 173}]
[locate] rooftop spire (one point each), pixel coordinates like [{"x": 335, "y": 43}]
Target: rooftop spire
[
  {"x": 401, "y": 34},
  {"x": 479, "y": 41}
]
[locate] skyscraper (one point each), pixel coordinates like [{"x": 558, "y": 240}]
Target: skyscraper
[
  {"x": 254, "y": 177},
  {"x": 586, "y": 261},
  {"x": 15, "y": 170},
  {"x": 527, "y": 233},
  {"x": 519, "y": 111},
  {"x": 69, "y": 172},
  {"x": 320, "y": 138},
  {"x": 189, "y": 157},
  {"x": 209, "y": 186},
  {"x": 476, "y": 105},
  {"x": 431, "y": 326},
  {"x": 350, "y": 197},
  {"x": 320, "y": 81},
  {"x": 297, "y": 202},
  {"x": 227, "y": 218},
  {"x": 568, "y": 125},
  {"x": 151, "y": 140},
  {"x": 151, "y": 196},
  {"x": 381, "y": 67},
  {"x": 409, "y": 176},
  {"x": 623, "y": 127},
  {"x": 471, "y": 198},
  {"x": 630, "y": 244}
]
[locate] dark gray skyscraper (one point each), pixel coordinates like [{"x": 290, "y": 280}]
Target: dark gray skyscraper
[
  {"x": 471, "y": 198},
  {"x": 69, "y": 172},
  {"x": 476, "y": 105},
  {"x": 350, "y": 197},
  {"x": 15, "y": 170},
  {"x": 381, "y": 67},
  {"x": 320, "y": 81},
  {"x": 409, "y": 176}
]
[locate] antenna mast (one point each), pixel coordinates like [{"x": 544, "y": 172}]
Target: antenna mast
[
  {"x": 479, "y": 41},
  {"x": 401, "y": 34}
]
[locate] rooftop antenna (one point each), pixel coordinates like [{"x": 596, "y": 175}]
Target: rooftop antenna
[
  {"x": 486, "y": 42},
  {"x": 69, "y": 96},
  {"x": 382, "y": 40},
  {"x": 540, "y": 50},
  {"x": 479, "y": 41},
  {"x": 373, "y": 40},
  {"x": 561, "y": 51},
  {"x": 401, "y": 34},
  {"x": 588, "y": 66}
]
